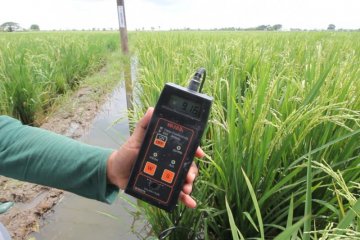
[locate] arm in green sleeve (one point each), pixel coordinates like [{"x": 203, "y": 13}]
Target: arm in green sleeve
[{"x": 39, "y": 156}]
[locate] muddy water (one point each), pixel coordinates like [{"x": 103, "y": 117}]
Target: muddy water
[{"x": 76, "y": 217}]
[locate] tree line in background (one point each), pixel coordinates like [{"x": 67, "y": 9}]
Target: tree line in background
[
  {"x": 276, "y": 27},
  {"x": 15, "y": 27}
]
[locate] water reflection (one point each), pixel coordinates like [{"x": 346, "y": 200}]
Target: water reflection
[{"x": 76, "y": 217}]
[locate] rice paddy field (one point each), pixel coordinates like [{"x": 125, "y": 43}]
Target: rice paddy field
[
  {"x": 35, "y": 68},
  {"x": 283, "y": 139}
]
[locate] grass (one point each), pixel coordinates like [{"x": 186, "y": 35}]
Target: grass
[
  {"x": 35, "y": 68},
  {"x": 284, "y": 103}
]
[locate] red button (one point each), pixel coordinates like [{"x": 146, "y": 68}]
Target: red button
[
  {"x": 150, "y": 168},
  {"x": 159, "y": 143},
  {"x": 167, "y": 176}
]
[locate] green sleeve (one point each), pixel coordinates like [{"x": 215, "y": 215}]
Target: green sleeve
[{"x": 39, "y": 156}]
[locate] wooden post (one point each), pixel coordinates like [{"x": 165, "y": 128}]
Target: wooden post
[
  {"x": 122, "y": 26},
  {"x": 125, "y": 51}
]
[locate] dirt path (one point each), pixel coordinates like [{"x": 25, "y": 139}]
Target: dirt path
[{"x": 32, "y": 202}]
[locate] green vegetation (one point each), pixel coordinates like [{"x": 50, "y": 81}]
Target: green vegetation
[
  {"x": 34, "y": 27},
  {"x": 9, "y": 26},
  {"x": 283, "y": 142},
  {"x": 35, "y": 68}
]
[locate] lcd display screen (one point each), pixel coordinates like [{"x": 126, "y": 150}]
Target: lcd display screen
[{"x": 182, "y": 105}]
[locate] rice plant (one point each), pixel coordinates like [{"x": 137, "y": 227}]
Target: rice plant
[
  {"x": 286, "y": 111},
  {"x": 37, "y": 67}
]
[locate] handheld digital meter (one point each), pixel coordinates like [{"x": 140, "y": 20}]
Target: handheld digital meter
[{"x": 170, "y": 143}]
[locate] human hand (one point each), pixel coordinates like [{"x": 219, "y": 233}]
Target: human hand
[{"x": 120, "y": 162}]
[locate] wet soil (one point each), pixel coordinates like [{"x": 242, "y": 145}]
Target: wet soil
[{"x": 32, "y": 202}]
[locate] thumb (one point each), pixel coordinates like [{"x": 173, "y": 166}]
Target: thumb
[{"x": 140, "y": 129}]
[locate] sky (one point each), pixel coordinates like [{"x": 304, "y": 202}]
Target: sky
[{"x": 178, "y": 14}]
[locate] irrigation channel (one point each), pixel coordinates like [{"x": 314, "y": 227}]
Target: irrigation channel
[{"x": 76, "y": 217}]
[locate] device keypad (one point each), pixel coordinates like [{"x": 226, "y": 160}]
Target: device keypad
[{"x": 164, "y": 159}]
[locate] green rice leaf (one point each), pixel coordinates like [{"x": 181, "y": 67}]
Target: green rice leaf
[
  {"x": 308, "y": 200},
  {"x": 327, "y": 205},
  {"x": 350, "y": 216},
  {"x": 285, "y": 235},
  {"x": 256, "y": 204},
  {"x": 233, "y": 227},
  {"x": 251, "y": 220},
  {"x": 291, "y": 212}
]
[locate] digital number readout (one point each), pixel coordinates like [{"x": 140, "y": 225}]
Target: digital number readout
[{"x": 185, "y": 106}]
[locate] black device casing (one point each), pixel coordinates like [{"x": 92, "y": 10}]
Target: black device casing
[{"x": 183, "y": 134}]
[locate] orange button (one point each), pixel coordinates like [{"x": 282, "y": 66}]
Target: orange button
[
  {"x": 150, "y": 168},
  {"x": 167, "y": 176},
  {"x": 159, "y": 143}
]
